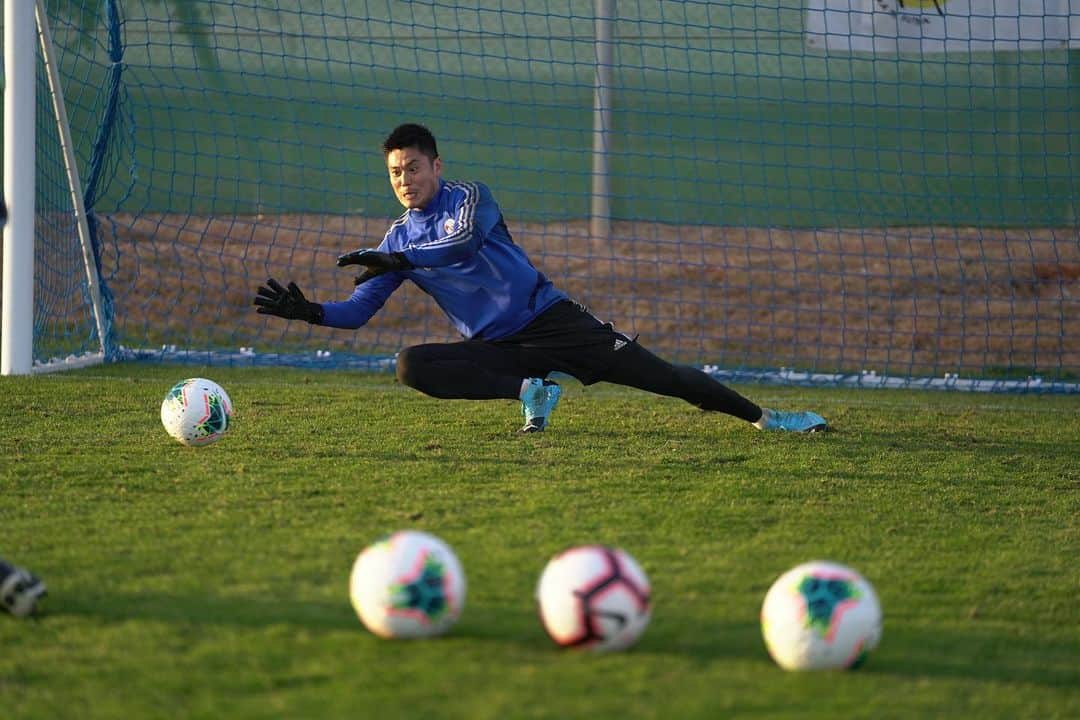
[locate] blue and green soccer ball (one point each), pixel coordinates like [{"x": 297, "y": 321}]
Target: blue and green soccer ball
[
  {"x": 409, "y": 584},
  {"x": 197, "y": 412},
  {"x": 820, "y": 616}
]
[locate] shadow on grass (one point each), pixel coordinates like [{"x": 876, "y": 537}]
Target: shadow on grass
[
  {"x": 704, "y": 641},
  {"x": 981, "y": 653},
  {"x": 242, "y": 612},
  {"x": 513, "y": 625}
]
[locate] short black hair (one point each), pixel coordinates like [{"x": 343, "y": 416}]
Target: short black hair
[{"x": 411, "y": 135}]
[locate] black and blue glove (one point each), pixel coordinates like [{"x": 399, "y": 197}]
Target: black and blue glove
[
  {"x": 288, "y": 303},
  {"x": 375, "y": 263}
]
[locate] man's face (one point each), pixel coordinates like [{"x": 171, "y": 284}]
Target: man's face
[{"x": 414, "y": 176}]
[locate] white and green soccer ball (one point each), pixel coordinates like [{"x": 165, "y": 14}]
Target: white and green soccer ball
[
  {"x": 197, "y": 411},
  {"x": 820, "y": 616},
  {"x": 409, "y": 584},
  {"x": 595, "y": 597}
]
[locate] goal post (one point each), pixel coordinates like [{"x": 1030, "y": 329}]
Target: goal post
[
  {"x": 51, "y": 227},
  {"x": 16, "y": 336}
]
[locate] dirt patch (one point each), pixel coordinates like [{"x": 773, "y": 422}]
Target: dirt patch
[{"x": 918, "y": 301}]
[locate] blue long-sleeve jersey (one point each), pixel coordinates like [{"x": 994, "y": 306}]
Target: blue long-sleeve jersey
[{"x": 464, "y": 258}]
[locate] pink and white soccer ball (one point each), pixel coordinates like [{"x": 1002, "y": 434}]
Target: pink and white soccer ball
[
  {"x": 594, "y": 596},
  {"x": 197, "y": 411},
  {"x": 409, "y": 584},
  {"x": 820, "y": 615}
]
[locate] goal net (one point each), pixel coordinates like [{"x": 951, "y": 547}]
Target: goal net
[
  {"x": 710, "y": 176},
  {"x": 68, "y": 316}
]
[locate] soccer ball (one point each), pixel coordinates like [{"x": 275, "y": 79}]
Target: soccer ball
[
  {"x": 197, "y": 411},
  {"x": 820, "y": 616},
  {"x": 407, "y": 585},
  {"x": 594, "y": 596}
]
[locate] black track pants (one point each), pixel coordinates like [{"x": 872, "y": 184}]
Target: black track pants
[{"x": 566, "y": 339}]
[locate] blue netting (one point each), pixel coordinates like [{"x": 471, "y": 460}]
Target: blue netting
[{"x": 775, "y": 203}]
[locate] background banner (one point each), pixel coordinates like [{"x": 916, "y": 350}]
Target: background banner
[{"x": 934, "y": 26}]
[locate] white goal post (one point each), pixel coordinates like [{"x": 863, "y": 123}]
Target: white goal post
[
  {"x": 22, "y": 23},
  {"x": 16, "y": 335}
]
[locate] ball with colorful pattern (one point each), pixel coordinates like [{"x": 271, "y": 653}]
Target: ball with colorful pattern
[
  {"x": 197, "y": 412},
  {"x": 820, "y": 615},
  {"x": 408, "y": 584}
]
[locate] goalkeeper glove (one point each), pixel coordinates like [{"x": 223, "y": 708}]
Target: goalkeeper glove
[
  {"x": 375, "y": 263},
  {"x": 288, "y": 303}
]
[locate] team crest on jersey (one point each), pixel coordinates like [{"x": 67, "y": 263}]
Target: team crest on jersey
[{"x": 448, "y": 226}]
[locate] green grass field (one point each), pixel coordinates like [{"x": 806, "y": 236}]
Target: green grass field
[{"x": 212, "y": 582}]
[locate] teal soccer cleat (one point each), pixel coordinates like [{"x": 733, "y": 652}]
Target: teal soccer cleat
[
  {"x": 803, "y": 422},
  {"x": 537, "y": 404}
]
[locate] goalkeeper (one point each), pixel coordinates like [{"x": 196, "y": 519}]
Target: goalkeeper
[{"x": 453, "y": 243}]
